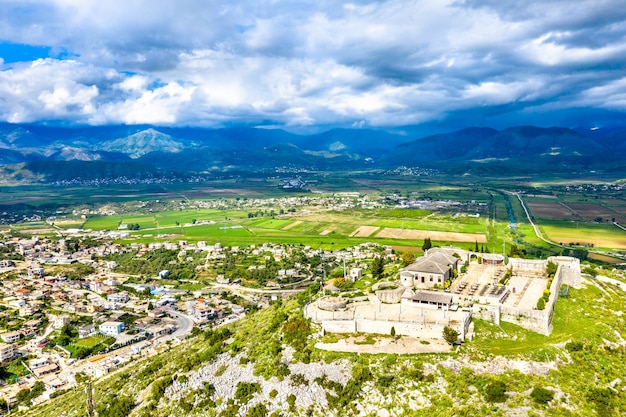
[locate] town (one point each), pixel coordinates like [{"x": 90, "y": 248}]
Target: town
[{"x": 82, "y": 305}]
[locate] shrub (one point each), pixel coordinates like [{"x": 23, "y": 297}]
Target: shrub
[
  {"x": 299, "y": 379},
  {"x": 541, "y": 304},
  {"x": 246, "y": 390},
  {"x": 496, "y": 392},
  {"x": 542, "y": 395},
  {"x": 450, "y": 335},
  {"x": 574, "y": 346},
  {"x": 258, "y": 410},
  {"x": 291, "y": 400}
]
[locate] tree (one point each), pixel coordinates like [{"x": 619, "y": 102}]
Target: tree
[
  {"x": 450, "y": 335},
  {"x": 407, "y": 258},
  {"x": 427, "y": 244},
  {"x": 393, "y": 331},
  {"x": 378, "y": 267}
]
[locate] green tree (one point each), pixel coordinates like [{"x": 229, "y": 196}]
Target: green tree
[
  {"x": 427, "y": 244},
  {"x": 378, "y": 267},
  {"x": 393, "y": 331},
  {"x": 450, "y": 335},
  {"x": 407, "y": 258}
]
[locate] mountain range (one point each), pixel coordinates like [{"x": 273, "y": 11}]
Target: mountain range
[{"x": 141, "y": 148}]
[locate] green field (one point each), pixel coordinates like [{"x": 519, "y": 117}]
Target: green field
[{"x": 602, "y": 235}]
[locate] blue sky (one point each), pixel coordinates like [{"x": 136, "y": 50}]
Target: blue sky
[{"x": 314, "y": 64}]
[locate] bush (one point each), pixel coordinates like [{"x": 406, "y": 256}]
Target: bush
[
  {"x": 542, "y": 395},
  {"x": 246, "y": 390},
  {"x": 541, "y": 304},
  {"x": 574, "y": 346},
  {"x": 496, "y": 392},
  {"x": 258, "y": 410},
  {"x": 450, "y": 335}
]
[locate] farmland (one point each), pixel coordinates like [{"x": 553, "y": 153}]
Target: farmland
[{"x": 345, "y": 209}]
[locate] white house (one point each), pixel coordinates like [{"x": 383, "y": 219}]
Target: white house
[
  {"x": 60, "y": 321},
  {"x": 355, "y": 274},
  {"x": 112, "y": 327},
  {"x": 11, "y": 336},
  {"x": 6, "y": 352}
]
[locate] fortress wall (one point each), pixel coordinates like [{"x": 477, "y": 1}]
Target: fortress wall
[
  {"x": 518, "y": 265},
  {"x": 339, "y": 326},
  {"x": 571, "y": 269},
  {"x": 539, "y": 321}
]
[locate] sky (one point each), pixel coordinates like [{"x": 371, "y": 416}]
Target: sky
[{"x": 314, "y": 64}]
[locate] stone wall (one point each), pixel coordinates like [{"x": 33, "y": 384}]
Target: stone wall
[
  {"x": 390, "y": 296},
  {"x": 411, "y": 329},
  {"x": 571, "y": 269},
  {"x": 519, "y": 266},
  {"x": 539, "y": 321}
]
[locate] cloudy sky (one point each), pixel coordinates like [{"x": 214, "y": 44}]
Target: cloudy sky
[{"x": 313, "y": 63}]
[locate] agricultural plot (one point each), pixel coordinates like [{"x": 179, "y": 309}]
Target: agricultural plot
[
  {"x": 274, "y": 224},
  {"x": 591, "y": 212},
  {"x": 364, "y": 231},
  {"x": 433, "y": 223},
  {"x": 599, "y": 235},
  {"x": 327, "y": 231},
  {"x": 394, "y": 233},
  {"x": 550, "y": 210},
  {"x": 291, "y": 225}
]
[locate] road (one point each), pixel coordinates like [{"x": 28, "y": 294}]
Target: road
[{"x": 185, "y": 325}]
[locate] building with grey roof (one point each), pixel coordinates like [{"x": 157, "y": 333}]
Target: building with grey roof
[{"x": 432, "y": 270}]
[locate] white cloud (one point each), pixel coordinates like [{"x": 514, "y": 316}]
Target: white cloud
[{"x": 300, "y": 63}]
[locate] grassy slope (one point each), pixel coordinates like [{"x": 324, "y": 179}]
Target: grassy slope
[{"x": 588, "y": 316}]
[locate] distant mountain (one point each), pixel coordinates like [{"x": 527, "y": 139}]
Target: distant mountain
[
  {"x": 82, "y": 154},
  {"x": 518, "y": 149},
  {"x": 144, "y": 142},
  {"x": 50, "y": 171},
  {"x": 431, "y": 150},
  {"x": 185, "y": 149}
]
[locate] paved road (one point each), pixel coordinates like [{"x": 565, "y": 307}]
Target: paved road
[{"x": 185, "y": 325}]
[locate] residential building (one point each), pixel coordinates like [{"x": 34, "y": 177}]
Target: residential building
[
  {"x": 112, "y": 327},
  {"x": 11, "y": 337},
  {"x": 119, "y": 297},
  {"x": 7, "y": 352},
  {"x": 60, "y": 321}
]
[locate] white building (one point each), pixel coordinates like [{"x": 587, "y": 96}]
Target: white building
[
  {"x": 11, "y": 337},
  {"x": 355, "y": 274},
  {"x": 6, "y": 352},
  {"x": 60, "y": 321},
  {"x": 112, "y": 327}
]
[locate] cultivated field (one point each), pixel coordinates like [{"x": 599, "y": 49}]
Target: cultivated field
[
  {"x": 364, "y": 231},
  {"x": 591, "y": 212},
  {"x": 394, "y": 233},
  {"x": 598, "y": 235},
  {"x": 550, "y": 210},
  {"x": 291, "y": 225}
]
